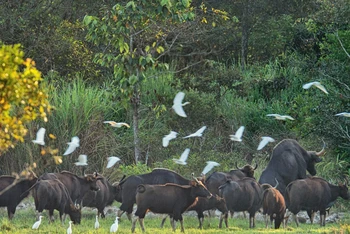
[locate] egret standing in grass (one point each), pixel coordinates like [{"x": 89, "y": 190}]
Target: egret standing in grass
[
  {"x": 238, "y": 134},
  {"x": 97, "y": 224},
  {"x": 69, "y": 229},
  {"x": 317, "y": 85},
  {"x": 37, "y": 223},
  {"x": 117, "y": 125},
  {"x": 72, "y": 145},
  {"x": 114, "y": 227},
  {"x": 169, "y": 137},
  {"x": 40, "y": 137},
  {"x": 264, "y": 141},
  {"x": 183, "y": 157},
  {"x": 177, "y": 104}
]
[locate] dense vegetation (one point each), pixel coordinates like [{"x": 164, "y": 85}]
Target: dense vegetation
[{"x": 236, "y": 62}]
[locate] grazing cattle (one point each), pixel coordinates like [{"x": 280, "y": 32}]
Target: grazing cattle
[
  {"x": 289, "y": 162},
  {"x": 242, "y": 195},
  {"x": 314, "y": 194},
  {"x": 51, "y": 195},
  {"x": 15, "y": 193},
  {"x": 216, "y": 179},
  {"x": 203, "y": 204},
  {"x": 77, "y": 186},
  {"x": 274, "y": 206},
  {"x": 172, "y": 199},
  {"x": 128, "y": 186},
  {"x": 101, "y": 198}
]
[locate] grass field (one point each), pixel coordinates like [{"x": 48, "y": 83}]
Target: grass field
[{"x": 25, "y": 218}]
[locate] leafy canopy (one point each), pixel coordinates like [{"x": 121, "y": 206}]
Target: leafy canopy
[{"x": 22, "y": 96}]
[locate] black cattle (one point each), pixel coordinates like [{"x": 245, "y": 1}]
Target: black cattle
[
  {"x": 128, "y": 186},
  {"x": 172, "y": 199},
  {"x": 53, "y": 195},
  {"x": 314, "y": 194},
  {"x": 242, "y": 195},
  {"x": 16, "y": 192},
  {"x": 216, "y": 179},
  {"x": 101, "y": 198},
  {"x": 77, "y": 186},
  {"x": 289, "y": 162},
  {"x": 274, "y": 206},
  {"x": 203, "y": 204}
]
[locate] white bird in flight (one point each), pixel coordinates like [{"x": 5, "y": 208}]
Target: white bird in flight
[
  {"x": 72, "y": 145},
  {"x": 69, "y": 229},
  {"x": 37, "y": 223},
  {"x": 169, "y": 137},
  {"x": 209, "y": 166},
  {"x": 177, "y": 104},
  {"x": 40, "y": 137},
  {"x": 264, "y": 141},
  {"x": 97, "y": 224},
  {"x": 183, "y": 157},
  {"x": 281, "y": 117},
  {"x": 316, "y": 84},
  {"x": 345, "y": 114},
  {"x": 198, "y": 133},
  {"x": 111, "y": 161},
  {"x": 238, "y": 134},
  {"x": 114, "y": 227},
  {"x": 82, "y": 160},
  {"x": 117, "y": 125}
]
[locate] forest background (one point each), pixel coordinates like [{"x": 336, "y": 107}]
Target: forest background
[{"x": 236, "y": 61}]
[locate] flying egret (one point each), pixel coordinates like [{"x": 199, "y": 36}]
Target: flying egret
[
  {"x": 97, "y": 224},
  {"x": 177, "y": 104},
  {"x": 264, "y": 141},
  {"x": 69, "y": 229},
  {"x": 209, "y": 166},
  {"x": 345, "y": 114},
  {"x": 72, "y": 145},
  {"x": 238, "y": 134},
  {"x": 112, "y": 160},
  {"x": 198, "y": 133},
  {"x": 37, "y": 223},
  {"x": 114, "y": 227},
  {"x": 183, "y": 157},
  {"x": 167, "y": 138},
  {"x": 82, "y": 160},
  {"x": 117, "y": 125},
  {"x": 316, "y": 84},
  {"x": 40, "y": 137},
  {"x": 280, "y": 117}
]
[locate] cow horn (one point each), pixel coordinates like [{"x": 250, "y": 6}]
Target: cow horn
[
  {"x": 194, "y": 178},
  {"x": 319, "y": 154},
  {"x": 276, "y": 183},
  {"x": 256, "y": 166},
  {"x": 237, "y": 166}
]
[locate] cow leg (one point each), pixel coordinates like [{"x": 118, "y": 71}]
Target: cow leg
[
  {"x": 266, "y": 221},
  {"x": 163, "y": 221},
  {"x": 182, "y": 224},
  {"x": 142, "y": 224},
  {"x": 323, "y": 217},
  {"x": 10, "y": 212},
  {"x": 223, "y": 216},
  {"x": 251, "y": 221},
  {"x": 200, "y": 216},
  {"x": 129, "y": 215},
  {"x": 51, "y": 217},
  {"x": 172, "y": 222},
  {"x": 296, "y": 219},
  {"x": 134, "y": 224}
]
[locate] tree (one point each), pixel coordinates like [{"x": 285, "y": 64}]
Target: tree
[
  {"x": 23, "y": 97},
  {"x": 134, "y": 37}
]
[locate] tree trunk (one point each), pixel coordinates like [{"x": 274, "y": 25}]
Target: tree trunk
[
  {"x": 135, "y": 119},
  {"x": 245, "y": 33}
]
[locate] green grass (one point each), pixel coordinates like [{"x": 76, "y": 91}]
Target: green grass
[{"x": 24, "y": 219}]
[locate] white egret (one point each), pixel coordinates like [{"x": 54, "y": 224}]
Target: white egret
[
  {"x": 97, "y": 224},
  {"x": 114, "y": 227},
  {"x": 238, "y": 134},
  {"x": 264, "y": 141},
  {"x": 37, "y": 223},
  {"x": 198, "y": 133},
  {"x": 72, "y": 145},
  {"x": 280, "y": 117},
  {"x": 40, "y": 137},
  {"x": 172, "y": 135},
  {"x": 111, "y": 161},
  {"x": 82, "y": 160},
  {"x": 177, "y": 104},
  {"x": 117, "y": 125},
  {"x": 209, "y": 166},
  {"x": 69, "y": 229},
  {"x": 316, "y": 84},
  {"x": 345, "y": 114},
  {"x": 183, "y": 157}
]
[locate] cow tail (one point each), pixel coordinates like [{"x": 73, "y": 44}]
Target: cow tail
[{"x": 141, "y": 188}]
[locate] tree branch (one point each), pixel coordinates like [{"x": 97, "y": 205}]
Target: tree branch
[{"x": 341, "y": 44}]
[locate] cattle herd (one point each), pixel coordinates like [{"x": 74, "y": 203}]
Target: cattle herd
[{"x": 284, "y": 188}]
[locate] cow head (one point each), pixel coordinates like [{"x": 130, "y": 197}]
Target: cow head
[
  {"x": 75, "y": 213},
  {"x": 91, "y": 180},
  {"x": 314, "y": 157},
  {"x": 198, "y": 188},
  {"x": 220, "y": 203},
  {"x": 343, "y": 191},
  {"x": 248, "y": 170}
]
